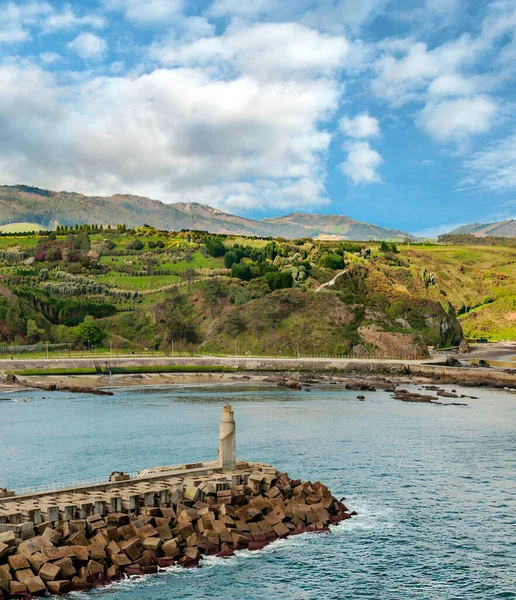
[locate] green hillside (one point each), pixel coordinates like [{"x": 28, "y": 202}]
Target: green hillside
[{"x": 143, "y": 288}]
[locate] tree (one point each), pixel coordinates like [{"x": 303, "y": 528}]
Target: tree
[
  {"x": 332, "y": 261},
  {"x": 213, "y": 293},
  {"x": 241, "y": 271},
  {"x": 82, "y": 242},
  {"x": 136, "y": 245},
  {"x": 214, "y": 246},
  {"x": 33, "y": 331},
  {"x": 234, "y": 323},
  {"x": 279, "y": 279},
  {"x": 230, "y": 258},
  {"x": 188, "y": 275},
  {"x": 89, "y": 332},
  {"x": 13, "y": 322}
]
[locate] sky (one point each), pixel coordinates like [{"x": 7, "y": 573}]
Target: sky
[{"x": 399, "y": 113}]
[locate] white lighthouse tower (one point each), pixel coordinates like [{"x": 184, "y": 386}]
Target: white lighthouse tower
[{"x": 227, "y": 447}]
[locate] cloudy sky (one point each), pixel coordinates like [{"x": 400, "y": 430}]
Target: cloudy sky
[{"x": 398, "y": 112}]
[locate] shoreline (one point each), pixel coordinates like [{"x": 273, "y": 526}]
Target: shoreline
[
  {"x": 104, "y": 384},
  {"x": 84, "y": 375}
]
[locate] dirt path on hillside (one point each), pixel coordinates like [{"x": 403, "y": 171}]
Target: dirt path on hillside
[{"x": 331, "y": 282}]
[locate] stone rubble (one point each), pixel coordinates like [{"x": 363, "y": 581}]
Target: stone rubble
[{"x": 78, "y": 541}]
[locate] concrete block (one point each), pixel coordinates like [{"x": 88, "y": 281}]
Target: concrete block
[
  {"x": 17, "y": 589},
  {"x": 49, "y": 572},
  {"x": 120, "y": 559},
  {"x": 97, "y": 551},
  {"x": 17, "y": 562},
  {"x": 66, "y": 512},
  {"x": 78, "y": 539},
  {"x": 169, "y": 548},
  {"x": 35, "y": 585},
  {"x": 147, "y": 531},
  {"x": 152, "y": 543},
  {"x": 132, "y": 547},
  {"x": 59, "y": 587},
  {"x": 52, "y": 535},
  {"x": 95, "y": 568},
  {"x": 8, "y": 538},
  {"x": 67, "y": 568},
  {"x": 5, "y": 578},
  {"x": 112, "y": 548},
  {"x": 280, "y": 529},
  {"x": 23, "y": 575},
  {"x": 164, "y": 532},
  {"x": 81, "y": 553},
  {"x": 37, "y": 560}
]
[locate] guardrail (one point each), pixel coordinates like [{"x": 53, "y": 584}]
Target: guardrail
[{"x": 62, "y": 486}]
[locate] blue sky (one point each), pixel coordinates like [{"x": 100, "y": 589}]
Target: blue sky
[{"x": 400, "y": 112}]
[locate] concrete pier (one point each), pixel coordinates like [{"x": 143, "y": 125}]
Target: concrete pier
[{"x": 84, "y": 536}]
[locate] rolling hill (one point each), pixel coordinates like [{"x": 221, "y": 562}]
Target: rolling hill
[
  {"x": 22, "y": 204},
  {"x": 505, "y": 228}
]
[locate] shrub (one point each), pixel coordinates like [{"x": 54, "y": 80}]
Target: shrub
[
  {"x": 215, "y": 247},
  {"x": 136, "y": 244},
  {"x": 333, "y": 261},
  {"x": 230, "y": 258},
  {"x": 279, "y": 280},
  {"x": 241, "y": 271}
]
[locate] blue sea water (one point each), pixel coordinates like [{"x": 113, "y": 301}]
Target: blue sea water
[{"x": 434, "y": 486}]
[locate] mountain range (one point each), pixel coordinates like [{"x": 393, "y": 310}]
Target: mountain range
[
  {"x": 505, "y": 228},
  {"x": 22, "y": 203}
]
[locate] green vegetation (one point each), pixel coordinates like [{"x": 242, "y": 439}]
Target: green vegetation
[
  {"x": 129, "y": 370},
  {"x": 143, "y": 289}
]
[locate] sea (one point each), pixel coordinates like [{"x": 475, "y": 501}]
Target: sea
[{"x": 434, "y": 486}]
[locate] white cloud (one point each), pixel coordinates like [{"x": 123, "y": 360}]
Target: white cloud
[
  {"x": 326, "y": 15},
  {"x": 265, "y": 51},
  {"x": 362, "y": 126},
  {"x": 362, "y": 163},
  {"x": 67, "y": 19},
  {"x": 452, "y": 85},
  {"x": 458, "y": 118},
  {"x": 147, "y": 11},
  {"x": 88, "y": 46},
  {"x": 492, "y": 169},
  {"x": 16, "y": 20},
  {"x": 174, "y": 134},
  {"x": 50, "y": 58}
]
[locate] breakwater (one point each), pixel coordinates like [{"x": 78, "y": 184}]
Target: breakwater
[
  {"x": 465, "y": 375},
  {"x": 87, "y": 535}
]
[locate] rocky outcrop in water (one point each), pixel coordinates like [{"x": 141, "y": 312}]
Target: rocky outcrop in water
[{"x": 56, "y": 557}]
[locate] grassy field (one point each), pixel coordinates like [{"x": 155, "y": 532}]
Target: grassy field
[
  {"x": 22, "y": 240},
  {"x": 482, "y": 279},
  {"x": 127, "y": 282},
  {"x": 20, "y": 227}
]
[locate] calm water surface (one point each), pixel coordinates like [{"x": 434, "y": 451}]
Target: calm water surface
[{"x": 434, "y": 486}]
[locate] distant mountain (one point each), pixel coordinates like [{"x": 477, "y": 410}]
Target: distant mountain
[
  {"x": 21, "y": 203},
  {"x": 499, "y": 229}
]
